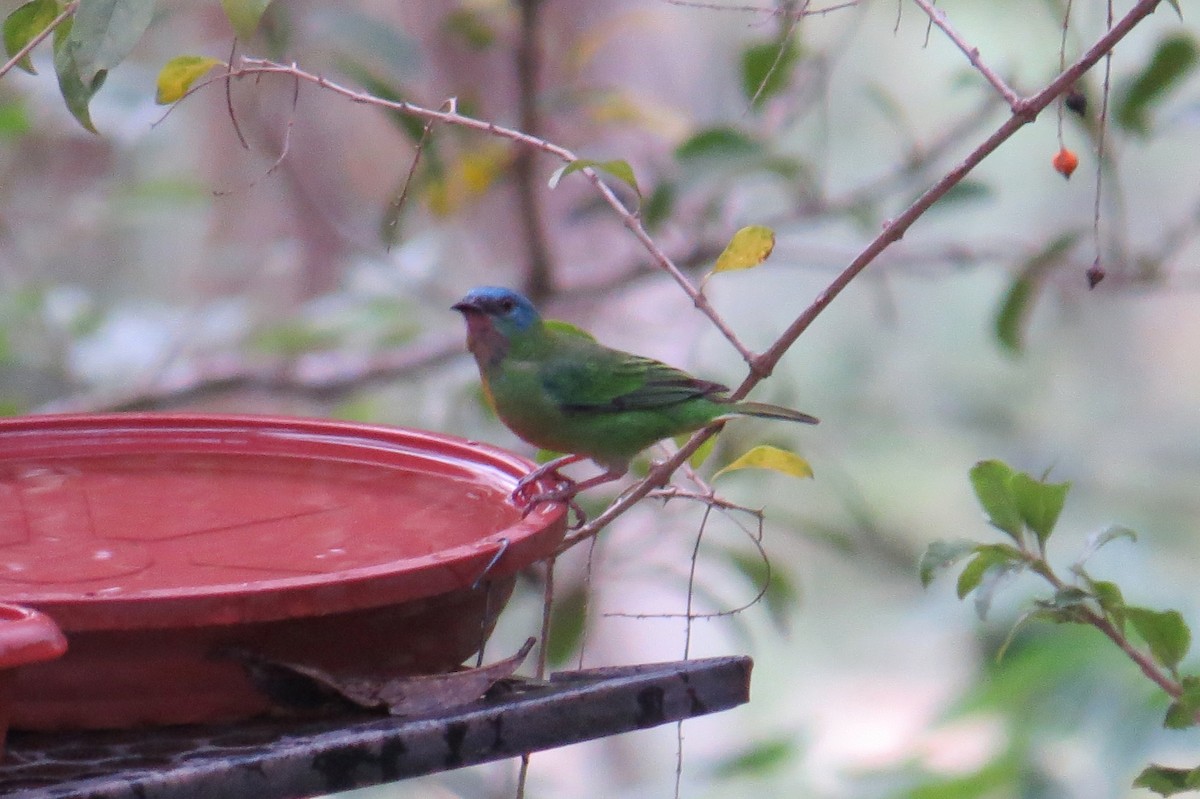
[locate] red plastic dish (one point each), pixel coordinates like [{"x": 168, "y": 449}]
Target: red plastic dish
[{"x": 159, "y": 542}]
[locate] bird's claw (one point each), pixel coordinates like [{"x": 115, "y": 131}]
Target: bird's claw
[{"x": 564, "y": 492}]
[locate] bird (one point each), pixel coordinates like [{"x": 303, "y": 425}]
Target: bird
[{"x": 559, "y": 389}]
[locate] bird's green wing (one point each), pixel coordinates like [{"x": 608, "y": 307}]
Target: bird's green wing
[{"x": 585, "y": 377}]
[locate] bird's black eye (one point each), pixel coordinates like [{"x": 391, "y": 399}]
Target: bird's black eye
[{"x": 506, "y": 305}]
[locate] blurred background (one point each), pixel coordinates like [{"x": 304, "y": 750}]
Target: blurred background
[{"x": 164, "y": 265}]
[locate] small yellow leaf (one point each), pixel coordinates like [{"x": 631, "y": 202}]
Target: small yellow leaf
[
  {"x": 748, "y": 248},
  {"x": 702, "y": 452},
  {"x": 768, "y": 457},
  {"x": 467, "y": 179},
  {"x": 179, "y": 74}
]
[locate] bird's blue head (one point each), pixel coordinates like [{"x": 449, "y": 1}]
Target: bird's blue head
[
  {"x": 498, "y": 320},
  {"x": 509, "y": 312}
]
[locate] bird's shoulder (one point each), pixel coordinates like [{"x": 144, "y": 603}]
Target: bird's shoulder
[{"x": 583, "y": 375}]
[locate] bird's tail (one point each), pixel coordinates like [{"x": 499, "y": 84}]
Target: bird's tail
[{"x": 765, "y": 411}]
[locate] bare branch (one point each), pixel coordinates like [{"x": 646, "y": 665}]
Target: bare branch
[{"x": 938, "y": 17}]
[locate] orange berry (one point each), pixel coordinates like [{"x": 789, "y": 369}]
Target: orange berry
[{"x": 1064, "y": 162}]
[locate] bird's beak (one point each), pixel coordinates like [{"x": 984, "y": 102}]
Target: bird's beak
[{"x": 466, "y": 306}]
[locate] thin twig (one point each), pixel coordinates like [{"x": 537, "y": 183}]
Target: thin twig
[
  {"x": 938, "y": 17},
  {"x": 540, "y": 673},
  {"x": 687, "y": 638},
  {"x": 780, "y": 11},
  {"x": 785, "y": 44},
  {"x": 397, "y": 204},
  {"x": 67, "y": 11},
  {"x": 233, "y": 120},
  {"x": 1102, "y": 129}
]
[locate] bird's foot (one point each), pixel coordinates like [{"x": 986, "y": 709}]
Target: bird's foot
[
  {"x": 520, "y": 495},
  {"x": 565, "y": 492},
  {"x": 524, "y": 496}
]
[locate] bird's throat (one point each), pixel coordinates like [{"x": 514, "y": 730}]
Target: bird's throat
[{"x": 486, "y": 343}]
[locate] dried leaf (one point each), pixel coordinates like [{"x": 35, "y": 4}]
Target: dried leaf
[{"x": 299, "y": 686}]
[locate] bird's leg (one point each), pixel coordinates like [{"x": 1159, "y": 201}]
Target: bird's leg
[
  {"x": 567, "y": 490},
  {"x": 548, "y": 468}
]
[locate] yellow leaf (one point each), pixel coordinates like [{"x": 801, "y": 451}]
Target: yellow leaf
[
  {"x": 768, "y": 457},
  {"x": 467, "y": 179},
  {"x": 702, "y": 452},
  {"x": 748, "y": 248},
  {"x": 480, "y": 168},
  {"x": 179, "y": 74}
]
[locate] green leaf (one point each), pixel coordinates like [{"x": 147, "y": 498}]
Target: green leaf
[
  {"x": 104, "y": 32},
  {"x": 568, "y": 622},
  {"x": 24, "y": 24},
  {"x": 1014, "y": 310},
  {"x": 748, "y": 248},
  {"x": 964, "y": 191},
  {"x": 765, "y": 456},
  {"x": 780, "y": 595},
  {"x": 1164, "y": 631},
  {"x": 1064, "y": 607},
  {"x": 1013, "y": 315},
  {"x": 14, "y": 118},
  {"x": 992, "y": 481},
  {"x": 702, "y": 452},
  {"x": 941, "y": 555},
  {"x": 1039, "y": 503},
  {"x": 1108, "y": 595},
  {"x": 618, "y": 168},
  {"x": 74, "y": 90},
  {"x": 1183, "y": 711},
  {"x": 718, "y": 144},
  {"x": 760, "y": 758},
  {"x": 767, "y": 68},
  {"x": 178, "y": 75},
  {"x": 1174, "y": 58},
  {"x": 991, "y": 581},
  {"x": 1099, "y": 539},
  {"x": 987, "y": 557},
  {"x": 1166, "y": 781},
  {"x": 368, "y": 46},
  {"x": 244, "y": 15},
  {"x": 469, "y": 25},
  {"x": 293, "y": 338},
  {"x": 658, "y": 206}
]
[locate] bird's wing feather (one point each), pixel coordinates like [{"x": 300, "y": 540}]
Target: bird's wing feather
[{"x": 586, "y": 377}]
